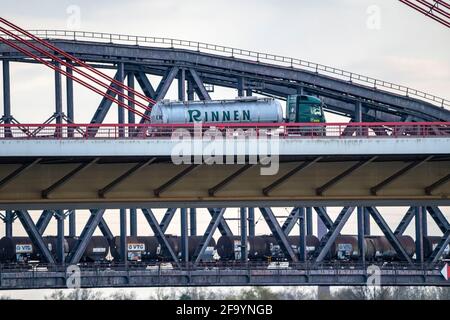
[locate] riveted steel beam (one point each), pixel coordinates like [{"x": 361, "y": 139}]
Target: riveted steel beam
[
  {"x": 207, "y": 236},
  {"x": 174, "y": 180},
  {"x": 329, "y": 238},
  {"x": 105, "y": 103},
  {"x": 35, "y": 237},
  {"x": 199, "y": 86},
  {"x": 439, "y": 218},
  {"x": 278, "y": 233},
  {"x": 102, "y": 192},
  {"x": 223, "y": 225},
  {"x": 429, "y": 190},
  {"x": 290, "y": 221},
  {"x": 167, "y": 218},
  {"x": 85, "y": 236},
  {"x": 44, "y": 220},
  {"x": 266, "y": 191},
  {"x": 339, "y": 177},
  {"x": 45, "y": 193},
  {"x": 16, "y": 173},
  {"x": 440, "y": 248},
  {"x": 145, "y": 85},
  {"x": 212, "y": 191},
  {"x": 323, "y": 215},
  {"x": 374, "y": 190},
  {"x": 159, "y": 234},
  {"x": 404, "y": 223},
  {"x": 390, "y": 236}
]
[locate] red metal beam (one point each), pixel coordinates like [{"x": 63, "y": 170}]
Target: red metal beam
[
  {"x": 69, "y": 65},
  {"x": 428, "y": 13},
  {"x": 75, "y": 60},
  {"x": 83, "y": 83}
]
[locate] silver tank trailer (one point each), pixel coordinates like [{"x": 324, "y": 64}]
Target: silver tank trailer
[{"x": 266, "y": 110}]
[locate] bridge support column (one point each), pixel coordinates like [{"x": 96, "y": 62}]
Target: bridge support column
[
  {"x": 9, "y": 220},
  {"x": 240, "y": 86},
  {"x": 251, "y": 222},
  {"x": 72, "y": 224},
  {"x": 366, "y": 222},
  {"x": 58, "y": 95},
  {"x": 302, "y": 233},
  {"x": 193, "y": 221},
  {"x": 60, "y": 254},
  {"x": 309, "y": 221},
  {"x": 69, "y": 101},
  {"x": 131, "y": 115},
  {"x": 424, "y": 222},
  {"x": 133, "y": 222},
  {"x": 190, "y": 90},
  {"x": 6, "y": 98},
  {"x": 123, "y": 235},
  {"x": 184, "y": 235},
  {"x": 419, "y": 212},
  {"x": 182, "y": 85},
  {"x": 244, "y": 251},
  {"x": 321, "y": 227},
  {"x": 120, "y": 109},
  {"x": 361, "y": 242}
]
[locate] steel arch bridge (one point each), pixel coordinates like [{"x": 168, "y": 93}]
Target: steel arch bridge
[{"x": 198, "y": 67}]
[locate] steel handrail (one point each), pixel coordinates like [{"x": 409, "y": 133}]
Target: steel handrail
[{"x": 256, "y": 56}]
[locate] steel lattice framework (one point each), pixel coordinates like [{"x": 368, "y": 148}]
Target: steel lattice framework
[{"x": 198, "y": 67}]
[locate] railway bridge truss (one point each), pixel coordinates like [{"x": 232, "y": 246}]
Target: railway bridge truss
[{"x": 394, "y": 152}]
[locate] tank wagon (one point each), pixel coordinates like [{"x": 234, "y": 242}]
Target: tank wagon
[
  {"x": 20, "y": 250},
  {"x": 299, "y": 108},
  {"x": 148, "y": 249}
]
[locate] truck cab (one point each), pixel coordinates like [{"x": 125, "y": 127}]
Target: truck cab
[{"x": 303, "y": 108}]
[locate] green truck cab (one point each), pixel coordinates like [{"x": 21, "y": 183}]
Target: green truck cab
[{"x": 303, "y": 108}]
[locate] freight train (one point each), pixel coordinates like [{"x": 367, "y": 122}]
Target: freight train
[
  {"x": 299, "y": 108},
  {"x": 20, "y": 250}
]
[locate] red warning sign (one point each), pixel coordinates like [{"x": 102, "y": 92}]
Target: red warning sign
[{"x": 446, "y": 271}]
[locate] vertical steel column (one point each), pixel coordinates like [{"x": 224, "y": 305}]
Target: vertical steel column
[
  {"x": 309, "y": 222},
  {"x": 251, "y": 222},
  {"x": 358, "y": 116},
  {"x": 424, "y": 221},
  {"x": 321, "y": 228},
  {"x": 182, "y": 84},
  {"x": 366, "y": 222},
  {"x": 240, "y": 88},
  {"x": 419, "y": 234},
  {"x": 190, "y": 90},
  {"x": 248, "y": 92},
  {"x": 9, "y": 219},
  {"x": 58, "y": 95},
  {"x": 69, "y": 101},
  {"x": 193, "y": 221},
  {"x": 244, "y": 252},
  {"x": 133, "y": 222},
  {"x": 60, "y": 254},
  {"x": 72, "y": 224},
  {"x": 361, "y": 242},
  {"x": 184, "y": 235},
  {"x": 120, "y": 110},
  {"x": 130, "y": 84},
  {"x": 123, "y": 235},
  {"x": 302, "y": 233},
  {"x": 6, "y": 92}
]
